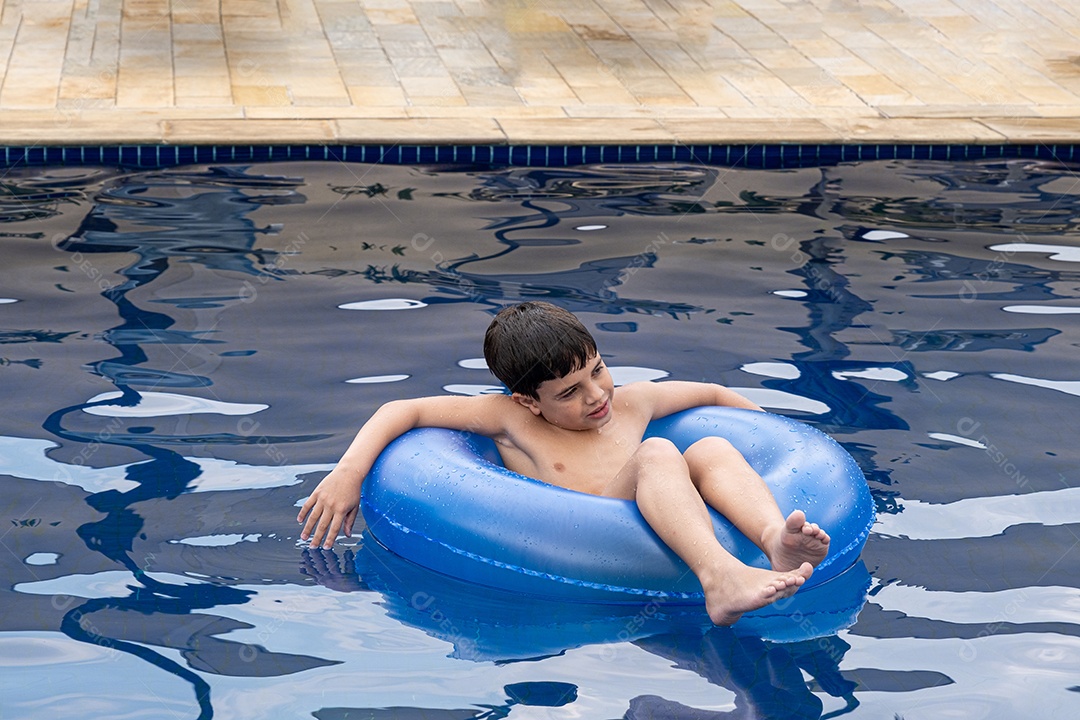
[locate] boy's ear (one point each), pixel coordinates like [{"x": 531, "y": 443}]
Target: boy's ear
[{"x": 532, "y": 404}]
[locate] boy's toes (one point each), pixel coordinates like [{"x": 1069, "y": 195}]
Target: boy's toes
[
  {"x": 799, "y": 541},
  {"x": 813, "y": 530},
  {"x": 796, "y": 521}
]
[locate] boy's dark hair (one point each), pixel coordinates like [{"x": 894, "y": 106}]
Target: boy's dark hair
[{"x": 533, "y": 342}]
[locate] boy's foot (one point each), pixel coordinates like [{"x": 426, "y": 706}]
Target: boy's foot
[
  {"x": 795, "y": 543},
  {"x": 741, "y": 589}
]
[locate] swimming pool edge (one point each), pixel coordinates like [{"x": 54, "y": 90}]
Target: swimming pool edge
[{"x": 773, "y": 155}]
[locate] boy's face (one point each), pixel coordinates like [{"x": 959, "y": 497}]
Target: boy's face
[{"x": 580, "y": 400}]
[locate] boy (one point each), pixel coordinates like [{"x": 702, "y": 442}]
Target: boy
[{"x": 564, "y": 424}]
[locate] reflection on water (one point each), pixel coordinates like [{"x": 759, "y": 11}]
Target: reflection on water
[{"x": 186, "y": 352}]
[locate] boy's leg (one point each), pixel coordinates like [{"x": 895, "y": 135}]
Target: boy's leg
[
  {"x": 658, "y": 479},
  {"x": 735, "y": 490}
]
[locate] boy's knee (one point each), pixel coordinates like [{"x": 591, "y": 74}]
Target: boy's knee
[
  {"x": 710, "y": 448},
  {"x": 657, "y": 450}
]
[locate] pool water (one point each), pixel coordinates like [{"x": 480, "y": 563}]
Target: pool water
[{"x": 184, "y": 353}]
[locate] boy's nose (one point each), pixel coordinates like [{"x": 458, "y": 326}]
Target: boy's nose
[{"x": 593, "y": 392}]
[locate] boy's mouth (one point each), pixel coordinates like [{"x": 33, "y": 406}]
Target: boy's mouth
[{"x": 601, "y": 411}]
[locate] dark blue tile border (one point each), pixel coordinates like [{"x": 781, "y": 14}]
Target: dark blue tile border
[{"x": 786, "y": 155}]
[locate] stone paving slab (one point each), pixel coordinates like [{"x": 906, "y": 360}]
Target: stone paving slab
[{"x": 545, "y": 71}]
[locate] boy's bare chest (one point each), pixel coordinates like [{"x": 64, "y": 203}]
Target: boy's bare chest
[{"x": 586, "y": 461}]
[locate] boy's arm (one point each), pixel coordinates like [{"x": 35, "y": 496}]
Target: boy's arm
[
  {"x": 333, "y": 506},
  {"x": 675, "y": 395}
]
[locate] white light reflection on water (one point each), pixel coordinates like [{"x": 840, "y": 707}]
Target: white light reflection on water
[
  {"x": 780, "y": 400},
  {"x": 384, "y": 304},
  {"x": 27, "y": 458},
  {"x": 1042, "y": 309},
  {"x": 626, "y": 374},
  {"x": 885, "y": 374},
  {"x": 377, "y": 379},
  {"x": 980, "y": 516},
  {"x": 959, "y": 440},
  {"x": 1015, "y": 605},
  {"x": 1063, "y": 253},
  {"x": 1070, "y": 387},
  {"x": 884, "y": 235},
  {"x": 217, "y": 540},
  {"x": 941, "y": 375},
  {"x": 105, "y": 584},
  {"x": 159, "y": 404},
  {"x": 785, "y": 371}
]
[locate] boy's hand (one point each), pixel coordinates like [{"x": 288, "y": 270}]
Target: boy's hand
[{"x": 331, "y": 509}]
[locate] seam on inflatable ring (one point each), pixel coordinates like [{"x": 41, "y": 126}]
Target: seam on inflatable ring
[
  {"x": 858, "y": 540},
  {"x": 547, "y": 576}
]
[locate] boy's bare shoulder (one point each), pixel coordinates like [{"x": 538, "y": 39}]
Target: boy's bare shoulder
[
  {"x": 659, "y": 399},
  {"x": 646, "y": 392},
  {"x": 639, "y": 388},
  {"x": 486, "y": 414},
  {"x": 637, "y": 400}
]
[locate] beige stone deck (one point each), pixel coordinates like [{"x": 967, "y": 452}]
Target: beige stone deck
[{"x": 515, "y": 71}]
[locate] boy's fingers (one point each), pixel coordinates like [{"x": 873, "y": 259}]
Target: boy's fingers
[
  {"x": 316, "y": 534},
  {"x": 305, "y": 509},
  {"x": 327, "y": 530},
  {"x": 332, "y": 533},
  {"x": 309, "y": 525},
  {"x": 305, "y": 515},
  {"x": 316, "y": 525}
]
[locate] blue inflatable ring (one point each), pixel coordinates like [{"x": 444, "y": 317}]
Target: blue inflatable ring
[{"x": 443, "y": 499}]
